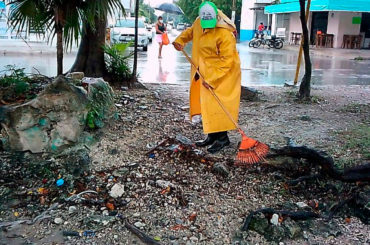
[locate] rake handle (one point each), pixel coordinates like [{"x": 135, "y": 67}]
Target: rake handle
[{"x": 212, "y": 92}]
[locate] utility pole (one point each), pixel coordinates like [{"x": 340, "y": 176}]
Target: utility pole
[{"x": 233, "y": 12}]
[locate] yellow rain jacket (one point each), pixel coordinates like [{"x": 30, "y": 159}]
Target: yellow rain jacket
[{"x": 215, "y": 55}]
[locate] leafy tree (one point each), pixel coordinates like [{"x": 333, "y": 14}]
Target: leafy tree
[
  {"x": 190, "y": 8},
  {"x": 147, "y": 11},
  {"x": 90, "y": 56},
  {"x": 63, "y": 18}
]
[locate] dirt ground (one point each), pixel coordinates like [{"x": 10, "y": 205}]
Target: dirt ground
[{"x": 178, "y": 199}]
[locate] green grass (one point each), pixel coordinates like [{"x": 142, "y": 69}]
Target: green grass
[
  {"x": 359, "y": 58},
  {"x": 360, "y": 140},
  {"x": 354, "y": 146},
  {"x": 356, "y": 108}
]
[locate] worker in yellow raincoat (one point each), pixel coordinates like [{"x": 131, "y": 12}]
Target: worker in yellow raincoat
[{"x": 215, "y": 54}]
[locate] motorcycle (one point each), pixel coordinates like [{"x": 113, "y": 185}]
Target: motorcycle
[
  {"x": 271, "y": 41},
  {"x": 256, "y": 37}
]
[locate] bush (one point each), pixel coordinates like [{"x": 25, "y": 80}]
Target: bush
[
  {"x": 117, "y": 62},
  {"x": 13, "y": 83},
  {"x": 101, "y": 104}
]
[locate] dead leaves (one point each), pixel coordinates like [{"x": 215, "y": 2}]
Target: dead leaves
[{"x": 193, "y": 217}]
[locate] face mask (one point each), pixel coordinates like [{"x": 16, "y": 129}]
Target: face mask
[
  {"x": 161, "y": 21},
  {"x": 208, "y": 15}
]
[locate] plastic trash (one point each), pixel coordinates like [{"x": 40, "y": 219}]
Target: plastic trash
[
  {"x": 183, "y": 140},
  {"x": 196, "y": 119},
  {"x": 60, "y": 182},
  {"x": 174, "y": 148},
  {"x": 151, "y": 155}
]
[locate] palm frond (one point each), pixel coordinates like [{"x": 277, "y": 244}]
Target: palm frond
[
  {"x": 39, "y": 15},
  {"x": 29, "y": 14}
]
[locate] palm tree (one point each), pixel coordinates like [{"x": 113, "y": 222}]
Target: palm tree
[
  {"x": 62, "y": 18},
  {"x": 90, "y": 56}
]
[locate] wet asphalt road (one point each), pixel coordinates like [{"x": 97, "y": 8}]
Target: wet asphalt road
[{"x": 259, "y": 66}]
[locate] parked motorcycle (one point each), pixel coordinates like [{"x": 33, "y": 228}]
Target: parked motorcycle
[
  {"x": 272, "y": 42},
  {"x": 256, "y": 37}
]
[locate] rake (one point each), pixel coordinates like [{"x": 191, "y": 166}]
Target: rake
[{"x": 250, "y": 150}]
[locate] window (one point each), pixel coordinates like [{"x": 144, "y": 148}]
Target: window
[{"x": 129, "y": 23}]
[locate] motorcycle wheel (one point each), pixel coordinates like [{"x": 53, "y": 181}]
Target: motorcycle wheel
[
  {"x": 279, "y": 44},
  {"x": 257, "y": 44},
  {"x": 251, "y": 43}
]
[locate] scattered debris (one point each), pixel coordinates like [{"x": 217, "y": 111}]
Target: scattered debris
[
  {"x": 275, "y": 219},
  {"x": 221, "y": 169},
  {"x": 203, "y": 206},
  {"x": 60, "y": 182},
  {"x": 301, "y": 204},
  {"x": 58, "y": 221},
  {"x": 117, "y": 191},
  {"x": 87, "y": 233}
]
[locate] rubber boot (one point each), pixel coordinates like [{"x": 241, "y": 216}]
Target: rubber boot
[
  {"x": 208, "y": 141},
  {"x": 221, "y": 141}
]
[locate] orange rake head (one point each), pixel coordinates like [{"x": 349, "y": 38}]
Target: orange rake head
[{"x": 250, "y": 151}]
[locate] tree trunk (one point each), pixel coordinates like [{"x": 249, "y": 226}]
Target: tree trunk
[
  {"x": 90, "y": 56},
  {"x": 60, "y": 51},
  {"x": 134, "y": 68},
  {"x": 305, "y": 87},
  {"x": 59, "y": 31}
]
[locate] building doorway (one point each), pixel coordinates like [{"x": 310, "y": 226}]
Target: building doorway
[
  {"x": 365, "y": 29},
  {"x": 319, "y": 23}
]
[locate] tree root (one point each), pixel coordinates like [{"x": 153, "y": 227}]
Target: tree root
[
  {"x": 360, "y": 175},
  {"x": 303, "y": 178},
  {"x": 326, "y": 162},
  {"x": 294, "y": 215}
]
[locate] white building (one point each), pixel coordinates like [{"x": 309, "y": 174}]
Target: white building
[
  {"x": 5, "y": 32},
  {"x": 338, "y": 18},
  {"x": 252, "y": 15}
]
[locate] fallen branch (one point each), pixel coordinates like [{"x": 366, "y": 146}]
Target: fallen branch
[
  {"x": 303, "y": 178},
  {"x": 294, "y": 215},
  {"x": 141, "y": 235},
  {"x": 163, "y": 142}
]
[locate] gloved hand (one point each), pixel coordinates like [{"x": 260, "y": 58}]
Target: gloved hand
[
  {"x": 178, "y": 46},
  {"x": 196, "y": 77}
]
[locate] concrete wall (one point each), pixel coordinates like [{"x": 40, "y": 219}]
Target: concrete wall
[
  {"x": 281, "y": 21},
  {"x": 247, "y": 21},
  {"x": 340, "y": 23},
  {"x": 294, "y": 24},
  {"x": 248, "y": 18},
  {"x": 260, "y": 17}
]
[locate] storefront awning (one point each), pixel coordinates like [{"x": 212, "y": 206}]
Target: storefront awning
[{"x": 290, "y": 6}]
